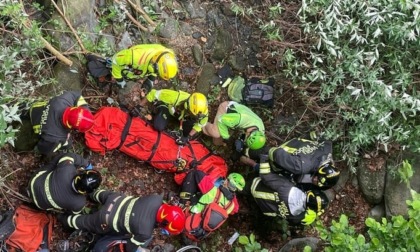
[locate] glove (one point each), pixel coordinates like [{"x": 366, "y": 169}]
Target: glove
[
  {"x": 183, "y": 140},
  {"x": 256, "y": 168},
  {"x": 121, "y": 83},
  {"x": 239, "y": 145},
  {"x": 89, "y": 167}
]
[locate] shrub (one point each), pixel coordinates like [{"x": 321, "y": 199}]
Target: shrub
[
  {"x": 364, "y": 59},
  {"x": 21, "y": 67}
]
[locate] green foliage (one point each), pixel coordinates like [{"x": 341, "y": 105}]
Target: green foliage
[
  {"x": 398, "y": 234},
  {"x": 213, "y": 96},
  {"x": 405, "y": 172},
  {"x": 364, "y": 57},
  {"x": 21, "y": 68},
  {"x": 250, "y": 244}
]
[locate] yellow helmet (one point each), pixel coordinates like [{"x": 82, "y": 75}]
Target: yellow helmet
[
  {"x": 197, "y": 104},
  {"x": 166, "y": 66}
]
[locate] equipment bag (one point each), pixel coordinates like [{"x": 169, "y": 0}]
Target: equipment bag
[
  {"x": 252, "y": 91},
  {"x": 33, "y": 229},
  {"x": 200, "y": 225},
  {"x": 99, "y": 68}
]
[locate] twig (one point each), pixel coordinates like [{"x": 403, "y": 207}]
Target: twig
[
  {"x": 47, "y": 45},
  {"x": 143, "y": 28},
  {"x": 70, "y": 26},
  {"x": 140, "y": 10}
]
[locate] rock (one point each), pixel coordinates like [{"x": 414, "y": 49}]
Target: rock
[
  {"x": 69, "y": 78},
  {"x": 377, "y": 212},
  {"x": 125, "y": 41},
  {"x": 397, "y": 192},
  {"x": 186, "y": 28},
  {"x": 169, "y": 29},
  {"x": 238, "y": 62},
  {"x": 129, "y": 96},
  {"x": 223, "y": 45},
  {"x": 26, "y": 139},
  {"x": 194, "y": 9},
  {"x": 299, "y": 244},
  {"x": 207, "y": 78},
  {"x": 79, "y": 14},
  {"x": 371, "y": 183},
  {"x": 344, "y": 177},
  {"x": 197, "y": 54}
]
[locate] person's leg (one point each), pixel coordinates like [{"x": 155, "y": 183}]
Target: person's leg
[
  {"x": 211, "y": 129},
  {"x": 161, "y": 118}
]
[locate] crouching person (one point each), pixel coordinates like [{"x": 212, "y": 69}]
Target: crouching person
[
  {"x": 64, "y": 183},
  {"x": 128, "y": 215},
  {"x": 211, "y": 202},
  {"x": 276, "y": 196}
]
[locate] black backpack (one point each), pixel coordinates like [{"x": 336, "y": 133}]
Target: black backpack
[
  {"x": 252, "y": 91},
  {"x": 99, "y": 68}
]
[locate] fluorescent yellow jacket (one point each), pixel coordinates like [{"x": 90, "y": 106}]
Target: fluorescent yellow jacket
[
  {"x": 139, "y": 58},
  {"x": 175, "y": 101}
]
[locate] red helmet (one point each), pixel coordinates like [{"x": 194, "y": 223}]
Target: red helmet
[
  {"x": 79, "y": 118},
  {"x": 171, "y": 219}
]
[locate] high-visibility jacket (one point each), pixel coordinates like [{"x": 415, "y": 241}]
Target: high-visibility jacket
[
  {"x": 175, "y": 100},
  {"x": 238, "y": 116},
  {"x": 47, "y": 121},
  {"x": 136, "y": 62},
  {"x": 51, "y": 186},
  {"x": 299, "y": 156}
]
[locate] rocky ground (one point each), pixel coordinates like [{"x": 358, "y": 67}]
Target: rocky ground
[{"x": 128, "y": 175}]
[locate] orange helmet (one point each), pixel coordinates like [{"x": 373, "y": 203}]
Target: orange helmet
[
  {"x": 79, "y": 118},
  {"x": 171, "y": 219}
]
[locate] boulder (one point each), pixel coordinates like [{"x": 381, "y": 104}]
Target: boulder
[
  {"x": 299, "y": 244},
  {"x": 371, "y": 182}
]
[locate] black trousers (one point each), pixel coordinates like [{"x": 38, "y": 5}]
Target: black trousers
[{"x": 162, "y": 118}]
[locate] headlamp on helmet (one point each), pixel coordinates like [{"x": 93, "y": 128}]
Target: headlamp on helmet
[
  {"x": 327, "y": 175},
  {"x": 87, "y": 181},
  {"x": 317, "y": 201}
]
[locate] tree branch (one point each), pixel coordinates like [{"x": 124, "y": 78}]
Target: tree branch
[
  {"x": 140, "y": 10},
  {"x": 70, "y": 26},
  {"x": 143, "y": 28},
  {"x": 47, "y": 45}
]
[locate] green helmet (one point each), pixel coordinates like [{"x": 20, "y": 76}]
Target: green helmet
[
  {"x": 255, "y": 140},
  {"x": 237, "y": 181}
]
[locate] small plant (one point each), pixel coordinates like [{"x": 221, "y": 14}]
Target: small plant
[{"x": 250, "y": 244}]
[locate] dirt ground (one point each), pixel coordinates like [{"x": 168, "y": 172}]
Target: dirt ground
[{"x": 123, "y": 173}]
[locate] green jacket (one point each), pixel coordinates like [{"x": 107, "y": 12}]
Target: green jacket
[
  {"x": 138, "y": 58},
  {"x": 175, "y": 101},
  {"x": 209, "y": 198},
  {"x": 238, "y": 116}
]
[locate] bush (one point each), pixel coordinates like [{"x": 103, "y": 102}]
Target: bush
[
  {"x": 398, "y": 234},
  {"x": 21, "y": 67},
  {"x": 364, "y": 57}
]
